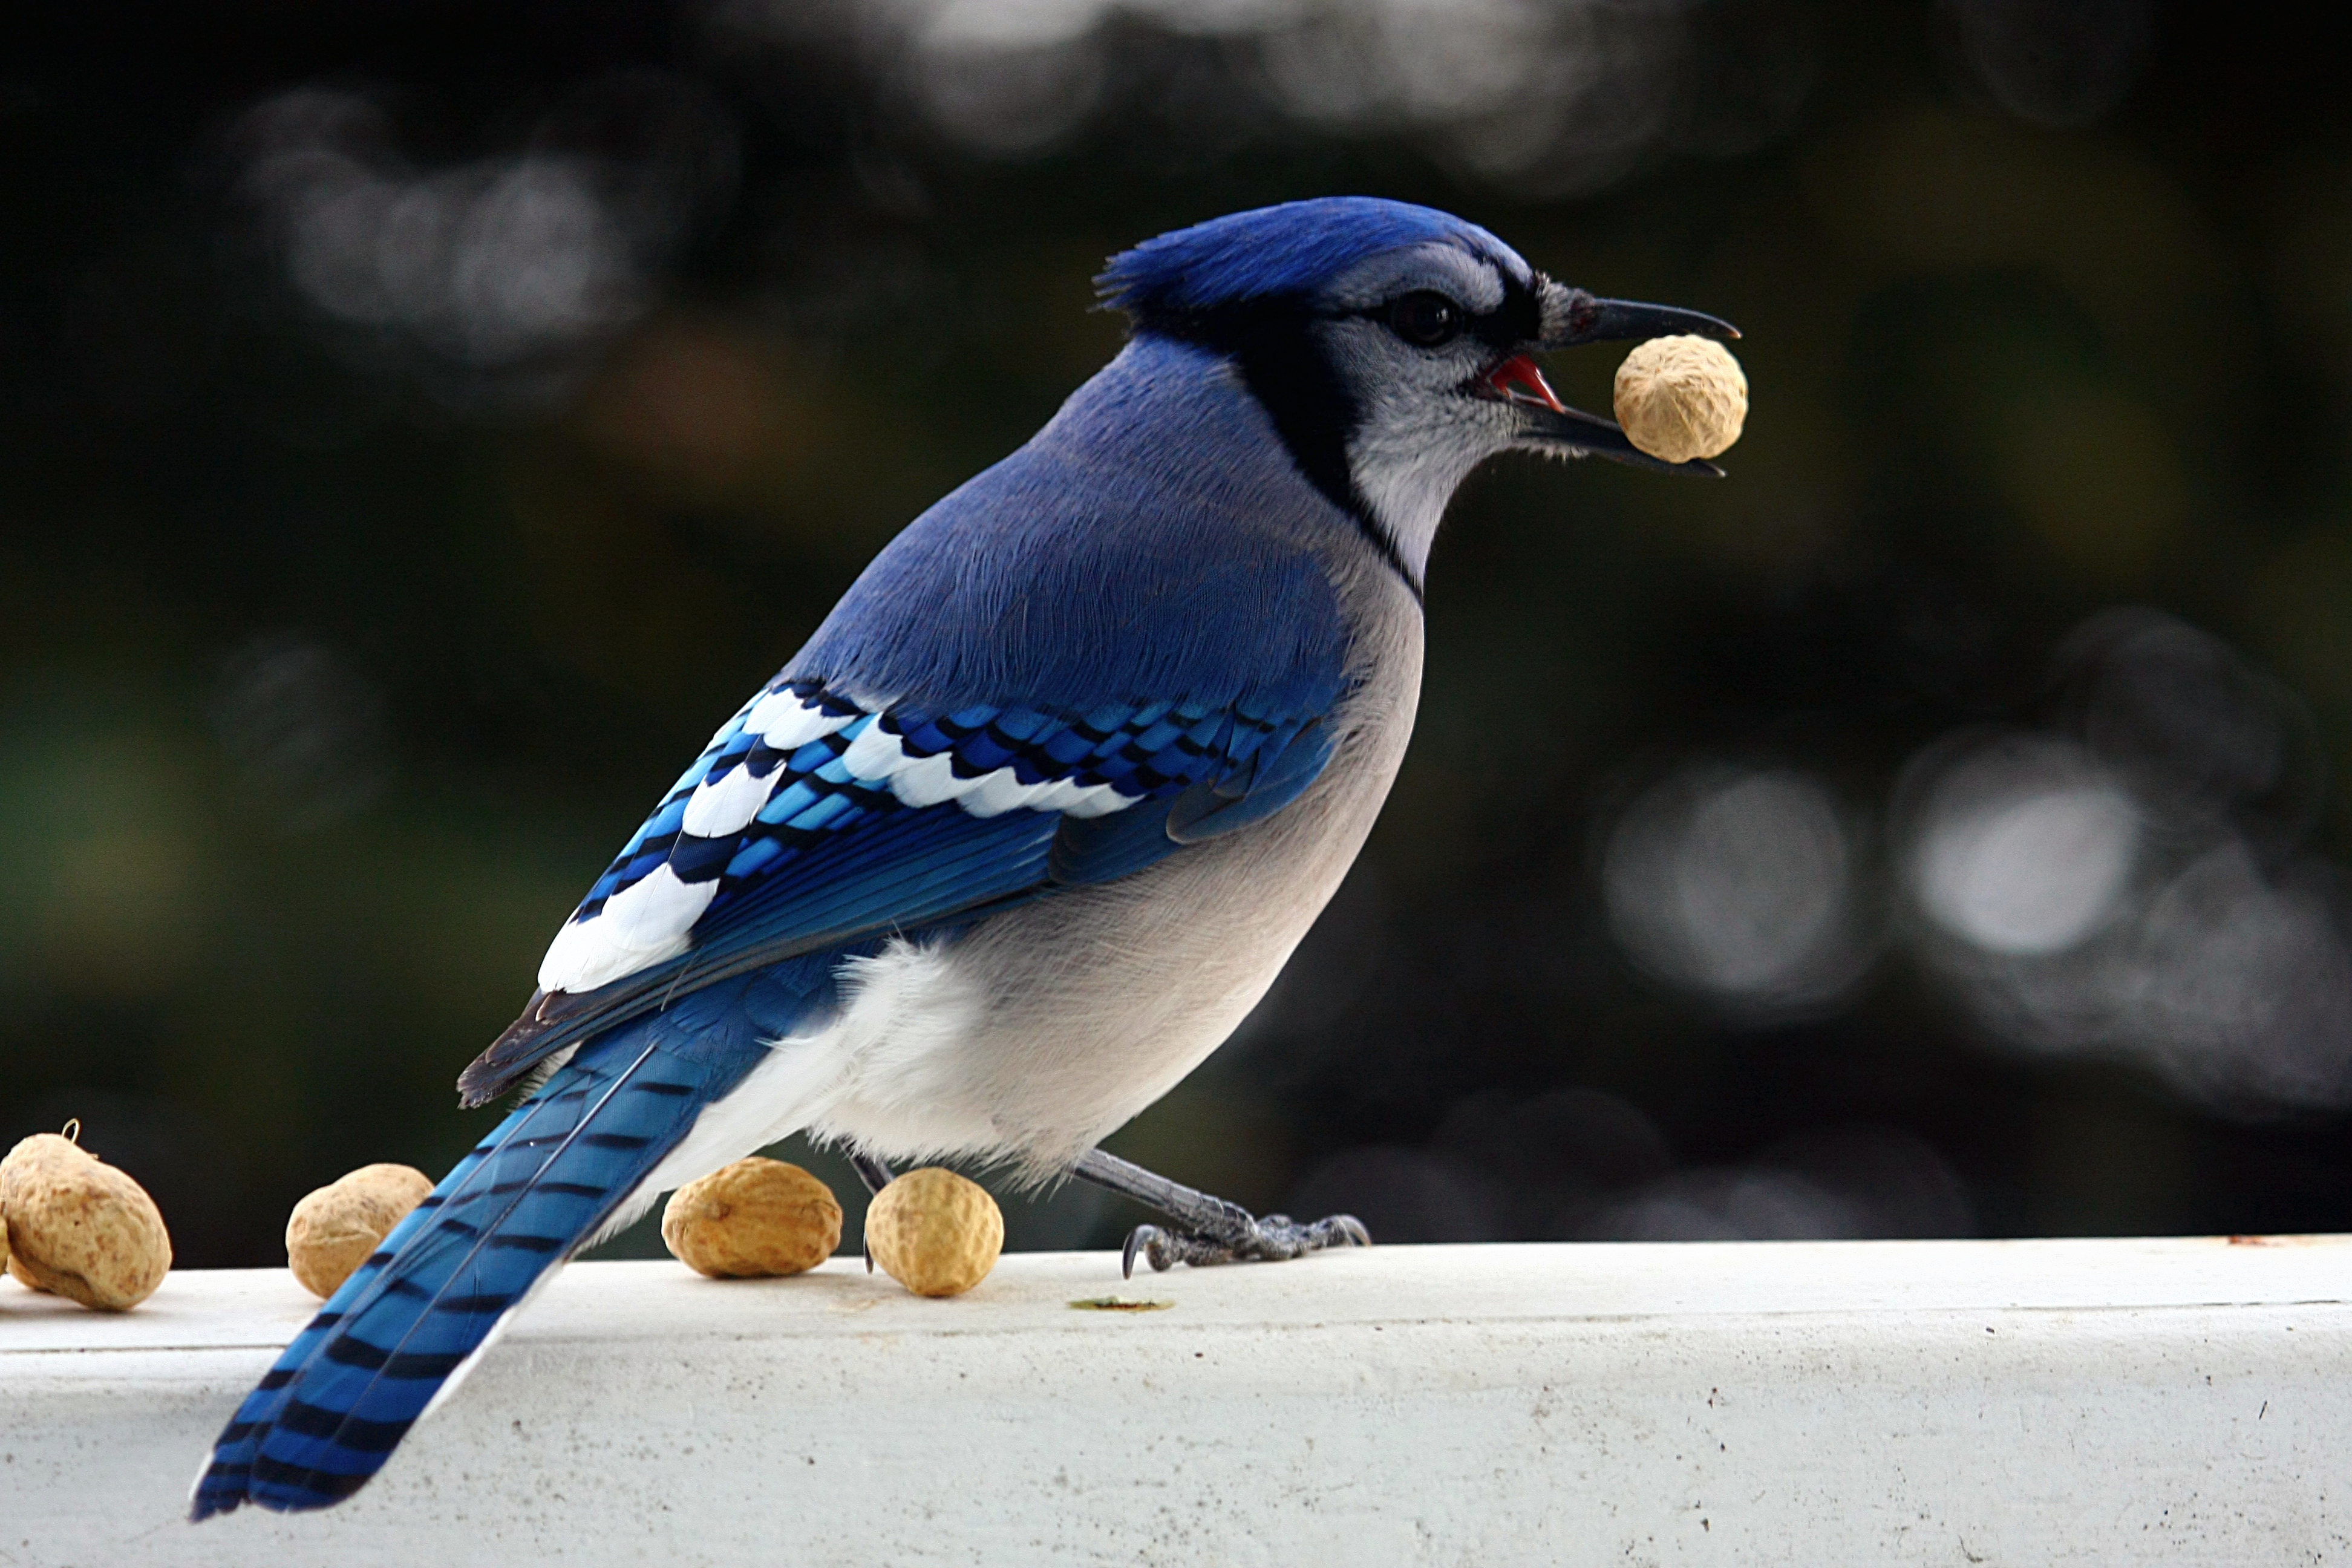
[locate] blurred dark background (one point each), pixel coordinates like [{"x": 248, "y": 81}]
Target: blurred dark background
[{"x": 420, "y": 424}]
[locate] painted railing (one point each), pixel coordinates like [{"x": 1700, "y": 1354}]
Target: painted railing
[{"x": 1816, "y": 1405}]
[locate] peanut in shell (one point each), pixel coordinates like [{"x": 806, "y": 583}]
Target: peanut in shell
[
  {"x": 334, "y": 1230},
  {"x": 756, "y": 1218},
  {"x": 1681, "y": 397},
  {"x": 934, "y": 1231},
  {"x": 78, "y": 1226}
]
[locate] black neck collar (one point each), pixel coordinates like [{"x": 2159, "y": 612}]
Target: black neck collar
[{"x": 1269, "y": 340}]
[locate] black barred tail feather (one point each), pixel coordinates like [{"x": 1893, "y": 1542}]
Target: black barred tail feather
[{"x": 348, "y": 1388}]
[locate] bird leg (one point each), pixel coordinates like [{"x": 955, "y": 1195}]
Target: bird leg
[
  {"x": 1209, "y": 1230},
  {"x": 872, "y": 1172},
  {"x": 877, "y": 1176}
]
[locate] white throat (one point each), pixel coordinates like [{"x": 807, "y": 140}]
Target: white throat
[{"x": 1407, "y": 472}]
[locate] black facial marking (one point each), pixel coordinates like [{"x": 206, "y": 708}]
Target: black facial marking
[
  {"x": 1513, "y": 324},
  {"x": 1272, "y": 343},
  {"x": 1289, "y": 375}
]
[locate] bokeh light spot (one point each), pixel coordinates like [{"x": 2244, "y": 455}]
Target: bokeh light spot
[
  {"x": 2034, "y": 871},
  {"x": 1735, "y": 883}
]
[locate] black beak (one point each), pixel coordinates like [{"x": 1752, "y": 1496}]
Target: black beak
[
  {"x": 1570, "y": 433},
  {"x": 1575, "y": 318}
]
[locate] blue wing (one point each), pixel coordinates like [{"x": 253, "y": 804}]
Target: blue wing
[{"x": 811, "y": 823}]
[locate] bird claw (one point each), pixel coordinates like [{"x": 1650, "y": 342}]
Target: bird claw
[{"x": 1273, "y": 1239}]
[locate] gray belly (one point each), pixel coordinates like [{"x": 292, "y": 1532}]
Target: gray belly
[{"x": 1033, "y": 1035}]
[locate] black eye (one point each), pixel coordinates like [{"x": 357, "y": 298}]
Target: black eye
[{"x": 1427, "y": 319}]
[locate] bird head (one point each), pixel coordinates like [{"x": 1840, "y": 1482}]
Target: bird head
[{"x": 1391, "y": 344}]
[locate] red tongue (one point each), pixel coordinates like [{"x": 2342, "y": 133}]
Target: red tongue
[{"x": 1518, "y": 379}]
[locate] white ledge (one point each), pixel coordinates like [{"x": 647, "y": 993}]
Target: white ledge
[{"x": 2047, "y": 1402}]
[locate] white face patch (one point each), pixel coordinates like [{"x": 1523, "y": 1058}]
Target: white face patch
[
  {"x": 1418, "y": 433},
  {"x": 1410, "y": 455},
  {"x": 1469, "y": 280}
]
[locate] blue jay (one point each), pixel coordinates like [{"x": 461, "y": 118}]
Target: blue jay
[{"x": 1030, "y": 823}]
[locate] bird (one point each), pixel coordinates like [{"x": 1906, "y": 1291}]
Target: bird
[{"x": 1029, "y": 823}]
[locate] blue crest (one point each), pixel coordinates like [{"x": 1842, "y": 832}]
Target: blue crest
[{"x": 1271, "y": 251}]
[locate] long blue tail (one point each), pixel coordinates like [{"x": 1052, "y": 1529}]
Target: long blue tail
[{"x": 345, "y": 1392}]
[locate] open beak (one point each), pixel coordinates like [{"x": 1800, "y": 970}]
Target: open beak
[
  {"x": 1517, "y": 380},
  {"x": 1575, "y": 318}
]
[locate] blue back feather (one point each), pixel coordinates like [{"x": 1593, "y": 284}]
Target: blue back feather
[{"x": 1150, "y": 543}]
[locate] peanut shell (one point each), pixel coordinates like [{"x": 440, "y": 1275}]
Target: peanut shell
[
  {"x": 78, "y": 1226},
  {"x": 334, "y": 1230},
  {"x": 934, "y": 1231},
  {"x": 755, "y": 1218},
  {"x": 1681, "y": 397}
]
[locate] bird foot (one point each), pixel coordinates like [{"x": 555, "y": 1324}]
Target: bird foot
[{"x": 1273, "y": 1239}]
